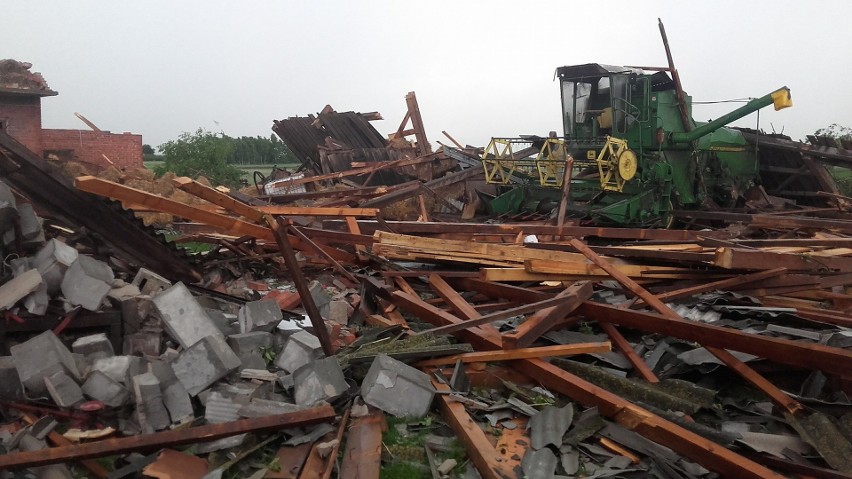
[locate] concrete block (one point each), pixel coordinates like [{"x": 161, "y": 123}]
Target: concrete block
[
  {"x": 145, "y": 343},
  {"x": 150, "y": 410},
  {"x": 175, "y": 397},
  {"x": 8, "y": 208},
  {"x": 149, "y": 282},
  {"x": 37, "y": 302},
  {"x": 301, "y": 348},
  {"x": 185, "y": 320},
  {"x": 94, "y": 347},
  {"x": 64, "y": 391},
  {"x": 42, "y": 356},
  {"x": 220, "y": 409},
  {"x": 227, "y": 323},
  {"x": 11, "y": 388},
  {"x": 339, "y": 311},
  {"x": 320, "y": 296},
  {"x": 259, "y": 316},
  {"x": 87, "y": 282},
  {"x": 52, "y": 261},
  {"x": 204, "y": 363},
  {"x": 119, "y": 368},
  {"x": 320, "y": 380},
  {"x": 123, "y": 292},
  {"x": 397, "y": 388},
  {"x": 101, "y": 387},
  {"x": 249, "y": 347},
  {"x": 31, "y": 230},
  {"x": 19, "y": 287}
]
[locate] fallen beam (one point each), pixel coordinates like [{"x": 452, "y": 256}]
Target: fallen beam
[
  {"x": 171, "y": 438},
  {"x": 483, "y": 454},
  {"x": 523, "y": 353},
  {"x": 362, "y": 457},
  {"x": 546, "y": 318}
]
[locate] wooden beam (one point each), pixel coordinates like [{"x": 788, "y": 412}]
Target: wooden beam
[
  {"x": 279, "y": 230},
  {"x": 228, "y": 224},
  {"x": 733, "y": 258},
  {"x": 546, "y": 318},
  {"x": 721, "y": 284},
  {"x": 218, "y": 198},
  {"x": 362, "y": 458},
  {"x": 483, "y": 454},
  {"x": 639, "y": 364},
  {"x": 175, "y": 437},
  {"x": 452, "y": 297},
  {"x": 496, "y": 316},
  {"x": 522, "y": 353},
  {"x": 309, "y": 211},
  {"x": 57, "y": 439}
]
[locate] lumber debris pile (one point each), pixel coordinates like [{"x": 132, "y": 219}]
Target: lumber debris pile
[{"x": 306, "y": 334}]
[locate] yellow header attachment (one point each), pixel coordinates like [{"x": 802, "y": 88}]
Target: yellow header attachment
[{"x": 781, "y": 98}]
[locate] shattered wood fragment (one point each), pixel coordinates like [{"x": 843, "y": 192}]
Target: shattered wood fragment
[
  {"x": 290, "y": 461},
  {"x": 523, "y": 353},
  {"x": 546, "y": 318},
  {"x": 362, "y": 457},
  {"x": 170, "y": 438},
  {"x": 483, "y": 454}
]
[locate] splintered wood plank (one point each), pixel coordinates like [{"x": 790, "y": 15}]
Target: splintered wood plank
[
  {"x": 521, "y": 275},
  {"x": 455, "y": 300},
  {"x": 362, "y": 458},
  {"x": 314, "y": 466},
  {"x": 546, "y": 318},
  {"x": 588, "y": 269},
  {"x": 483, "y": 454},
  {"x": 290, "y": 459},
  {"x": 522, "y": 353}
]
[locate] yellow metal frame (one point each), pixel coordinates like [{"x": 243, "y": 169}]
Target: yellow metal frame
[
  {"x": 607, "y": 160},
  {"x": 499, "y": 163}
]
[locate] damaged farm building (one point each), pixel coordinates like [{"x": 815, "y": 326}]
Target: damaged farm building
[{"x": 588, "y": 304}]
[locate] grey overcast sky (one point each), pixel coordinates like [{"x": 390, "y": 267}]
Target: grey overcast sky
[{"x": 480, "y": 68}]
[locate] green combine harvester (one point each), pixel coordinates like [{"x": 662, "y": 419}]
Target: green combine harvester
[{"x": 637, "y": 155}]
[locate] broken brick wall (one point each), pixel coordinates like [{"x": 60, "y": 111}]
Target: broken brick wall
[
  {"x": 123, "y": 149},
  {"x": 20, "y": 117}
]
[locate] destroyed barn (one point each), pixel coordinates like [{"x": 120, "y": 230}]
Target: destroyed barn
[{"x": 368, "y": 317}]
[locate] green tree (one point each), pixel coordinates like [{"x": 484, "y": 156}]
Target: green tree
[
  {"x": 200, "y": 153},
  {"x": 842, "y": 176},
  {"x": 148, "y": 150},
  {"x": 838, "y": 132}
]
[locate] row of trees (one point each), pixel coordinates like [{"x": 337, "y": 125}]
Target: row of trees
[{"x": 214, "y": 155}]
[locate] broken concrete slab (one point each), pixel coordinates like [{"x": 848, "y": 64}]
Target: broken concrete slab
[
  {"x": 320, "y": 380},
  {"x": 101, "y": 387},
  {"x": 340, "y": 311},
  {"x": 259, "y": 316},
  {"x": 32, "y": 233},
  {"x": 11, "y": 388},
  {"x": 119, "y": 368},
  {"x": 94, "y": 347},
  {"x": 320, "y": 296},
  {"x": 204, "y": 363},
  {"x": 150, "y": 410},
  {"x": 8, "y": 207},
  {"x": 145, "y": 343},
  {"x": 300, "y": 348},
  {"x": 64, "y": 391},
  {"x": 184, "y": 318},
  {"x": 397, "y": 388},
  {"x": 19, "y": 287},
  {"x": 250, "y": 347},
  {"x": 52, "y": 261},
  {"x": 263, "y": 407},
  {"x": 87, "y": 282},
  {"x": 42, "y": 356},
  {"x": 175, "y": 397},
  {"x": 149, "y": 282}
]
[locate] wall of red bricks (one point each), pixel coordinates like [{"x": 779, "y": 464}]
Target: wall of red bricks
[
  {"x": 22, "y": 118},
  {"x": 123, "y": 149}
]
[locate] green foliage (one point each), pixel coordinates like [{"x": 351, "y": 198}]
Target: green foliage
[
  {"x": 200, "y": 153},
  {"x": 259, "y": 151},
  {"x": 835, "y": 131},
  {"x": 148, "y": 149}
]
